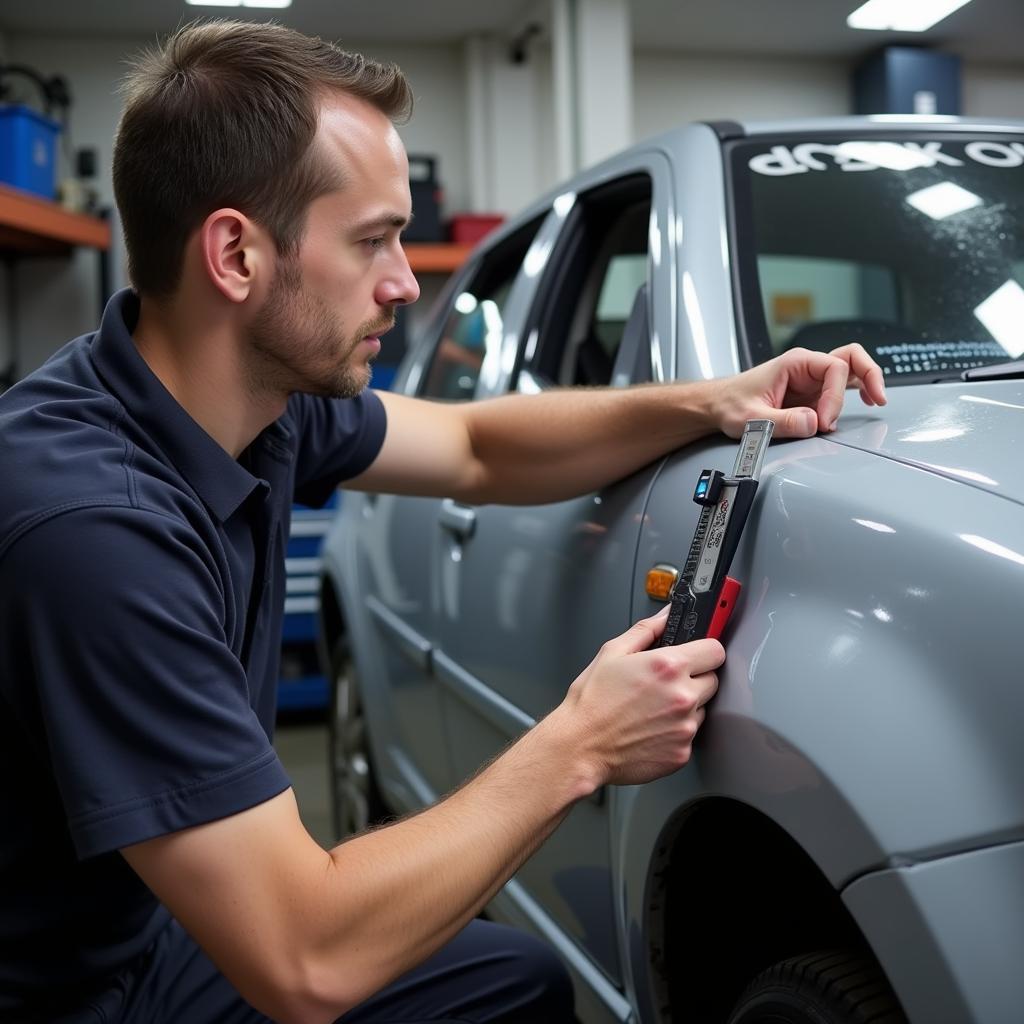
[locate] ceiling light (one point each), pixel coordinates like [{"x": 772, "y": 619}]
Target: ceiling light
[
  {"x": 943, "y": 200},
  {"x": 1003, "y": 313},
  {"x": 902, "y": 15},
  {"x": 275, "y": 4}
]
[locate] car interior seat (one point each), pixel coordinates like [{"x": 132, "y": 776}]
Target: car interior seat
[
  {"x": 617, "y": 356},
  {"x": 825, "y": 335}
]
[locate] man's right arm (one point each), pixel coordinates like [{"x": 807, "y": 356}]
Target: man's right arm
[{"x": 306, "y": 934}]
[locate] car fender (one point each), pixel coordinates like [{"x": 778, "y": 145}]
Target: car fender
[{"x": 867, "y": 706}]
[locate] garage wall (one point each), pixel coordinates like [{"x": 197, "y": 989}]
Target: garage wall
[
  {"x": 993, "y": 90},
  {"x": 670, "y": 89},
  {"x": 59, "y": 298}
]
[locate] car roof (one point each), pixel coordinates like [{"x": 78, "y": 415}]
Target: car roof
[{"x": 877, "y": 122}]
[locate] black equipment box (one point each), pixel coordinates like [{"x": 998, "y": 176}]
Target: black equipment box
[{"x": 427, "y": 197}]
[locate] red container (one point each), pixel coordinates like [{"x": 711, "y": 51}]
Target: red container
[{"x": 467, "y": 228}]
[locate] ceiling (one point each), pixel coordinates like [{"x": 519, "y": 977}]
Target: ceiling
[{"x": 984, "y": 30}]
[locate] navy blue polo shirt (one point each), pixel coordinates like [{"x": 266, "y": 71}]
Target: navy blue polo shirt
[{"x": 141, "y": 600}]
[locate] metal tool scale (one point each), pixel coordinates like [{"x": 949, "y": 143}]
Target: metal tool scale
[{"x": 704, "y": 595}]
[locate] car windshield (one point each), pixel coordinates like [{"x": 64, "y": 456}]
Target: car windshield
[{"x": 911, "y": 246}]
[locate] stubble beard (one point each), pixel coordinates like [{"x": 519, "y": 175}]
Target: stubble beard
[{"x": 300, "y": 345}]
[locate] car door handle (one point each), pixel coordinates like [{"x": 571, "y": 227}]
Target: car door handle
[{"x": 458, "y": 519}]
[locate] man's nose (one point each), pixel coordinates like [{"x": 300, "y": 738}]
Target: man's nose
[{"x": 399, "y": 286}]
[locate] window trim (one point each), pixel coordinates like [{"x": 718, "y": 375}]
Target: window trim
[
  {"x": 566, "y": 266},
  {"x": 485, "y": 264}
]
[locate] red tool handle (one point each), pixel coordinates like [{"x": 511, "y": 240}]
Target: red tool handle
[{"x": 726, "y": 602}]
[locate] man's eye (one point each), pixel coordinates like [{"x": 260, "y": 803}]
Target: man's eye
[{"x": 376, "y": 243}]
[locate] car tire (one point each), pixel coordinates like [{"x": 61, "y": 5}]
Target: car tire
[
  {"x": 356, "y": 801},
  {"x": 829, "y": 987}
]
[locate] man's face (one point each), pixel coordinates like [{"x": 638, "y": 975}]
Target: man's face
[{"x": 320, "y": 325}]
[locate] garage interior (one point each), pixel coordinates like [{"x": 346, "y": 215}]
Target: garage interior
[{"x": 512, "y": 97}]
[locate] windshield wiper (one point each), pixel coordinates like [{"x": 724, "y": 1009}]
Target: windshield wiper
[{"x": 997, "y": 371}]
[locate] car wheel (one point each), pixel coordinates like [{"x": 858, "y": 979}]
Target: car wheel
[
  {"x": 830, "y": 987},
  {"x": 355, "y": 798}
]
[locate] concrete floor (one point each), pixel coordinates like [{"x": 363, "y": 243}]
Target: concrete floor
[{"x": 301, "y": 744}]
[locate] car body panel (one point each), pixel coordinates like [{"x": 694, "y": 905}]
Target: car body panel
[
  {"x": 559, "y": 574},
  {"x": 951, "y": 933},
  {"x": 821, "y": 683},
  {"x": 967, "y": 432}
]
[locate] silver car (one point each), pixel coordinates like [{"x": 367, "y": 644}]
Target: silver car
[{"x": 847, "y": 844}]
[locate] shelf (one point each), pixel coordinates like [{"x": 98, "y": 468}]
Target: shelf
[
  {"x": 436, "y": 257},
  {"x": 33, "y": 226}
]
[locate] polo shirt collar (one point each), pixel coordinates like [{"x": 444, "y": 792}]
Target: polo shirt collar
[{"x": 220, "y": 481}]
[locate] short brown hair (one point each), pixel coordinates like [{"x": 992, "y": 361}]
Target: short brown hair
[{"x": 224, "y": 114}]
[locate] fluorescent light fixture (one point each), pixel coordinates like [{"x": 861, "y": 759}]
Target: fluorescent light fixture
[
  {"x": 902, "y": 15},
  {"x": 1002, "y": 313},
  {"x": 884, "y": 154},
  {"x": 271, "y": 4},
  {"x": 943, "y": 200}
]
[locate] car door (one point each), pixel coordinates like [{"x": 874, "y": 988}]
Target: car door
[
  {"x": 532, "y": 592},
  {"x": 398, "y": 535}
]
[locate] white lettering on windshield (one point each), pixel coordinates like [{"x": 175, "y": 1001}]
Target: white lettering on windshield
[
  {"x": 994, "y": 154},
  {"x": 818, "y": 156},
  {"x": 932, "y": 151}
]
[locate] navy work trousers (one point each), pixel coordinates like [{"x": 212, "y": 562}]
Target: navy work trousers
[{"x": 487, "y": 974}]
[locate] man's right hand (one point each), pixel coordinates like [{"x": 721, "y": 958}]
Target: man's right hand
[{"x": 636, "y": 710}]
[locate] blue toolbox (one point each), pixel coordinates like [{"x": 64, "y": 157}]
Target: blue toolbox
[
  {"x": 28, "y": 150},
  {"x": 302, "y": 683}
]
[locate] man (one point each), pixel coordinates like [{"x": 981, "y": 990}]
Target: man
[{"x": 148, "y": 470}]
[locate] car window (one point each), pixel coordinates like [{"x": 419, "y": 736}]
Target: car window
[
  {"x": 475, "y": 321},
  {"x": 592, "y": 287}
]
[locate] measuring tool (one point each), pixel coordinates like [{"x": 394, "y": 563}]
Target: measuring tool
[{"x": 704, "y": 595}]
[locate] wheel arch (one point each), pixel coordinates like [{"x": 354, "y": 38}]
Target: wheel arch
[{"x": 730, "y": 893}]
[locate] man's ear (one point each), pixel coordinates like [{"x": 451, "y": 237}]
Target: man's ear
[{"x": 233, "y": 251}]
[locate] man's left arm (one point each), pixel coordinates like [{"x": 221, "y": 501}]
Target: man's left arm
[{"x": 532, "y": 449}]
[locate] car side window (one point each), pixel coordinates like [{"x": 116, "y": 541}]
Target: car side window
[
  {"x": 596, "y": 286},
  {"x": 476, "y": 320}
]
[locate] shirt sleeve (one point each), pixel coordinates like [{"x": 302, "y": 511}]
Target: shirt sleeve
[
  {"x": 338, "y": 438},
  {"x": 124, "y": 672}
]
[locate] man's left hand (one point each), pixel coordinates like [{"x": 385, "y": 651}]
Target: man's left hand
[{"x": 800, "y": 391}]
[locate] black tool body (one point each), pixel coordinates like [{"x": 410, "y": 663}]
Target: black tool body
[{"x": 704, "y": 594}]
